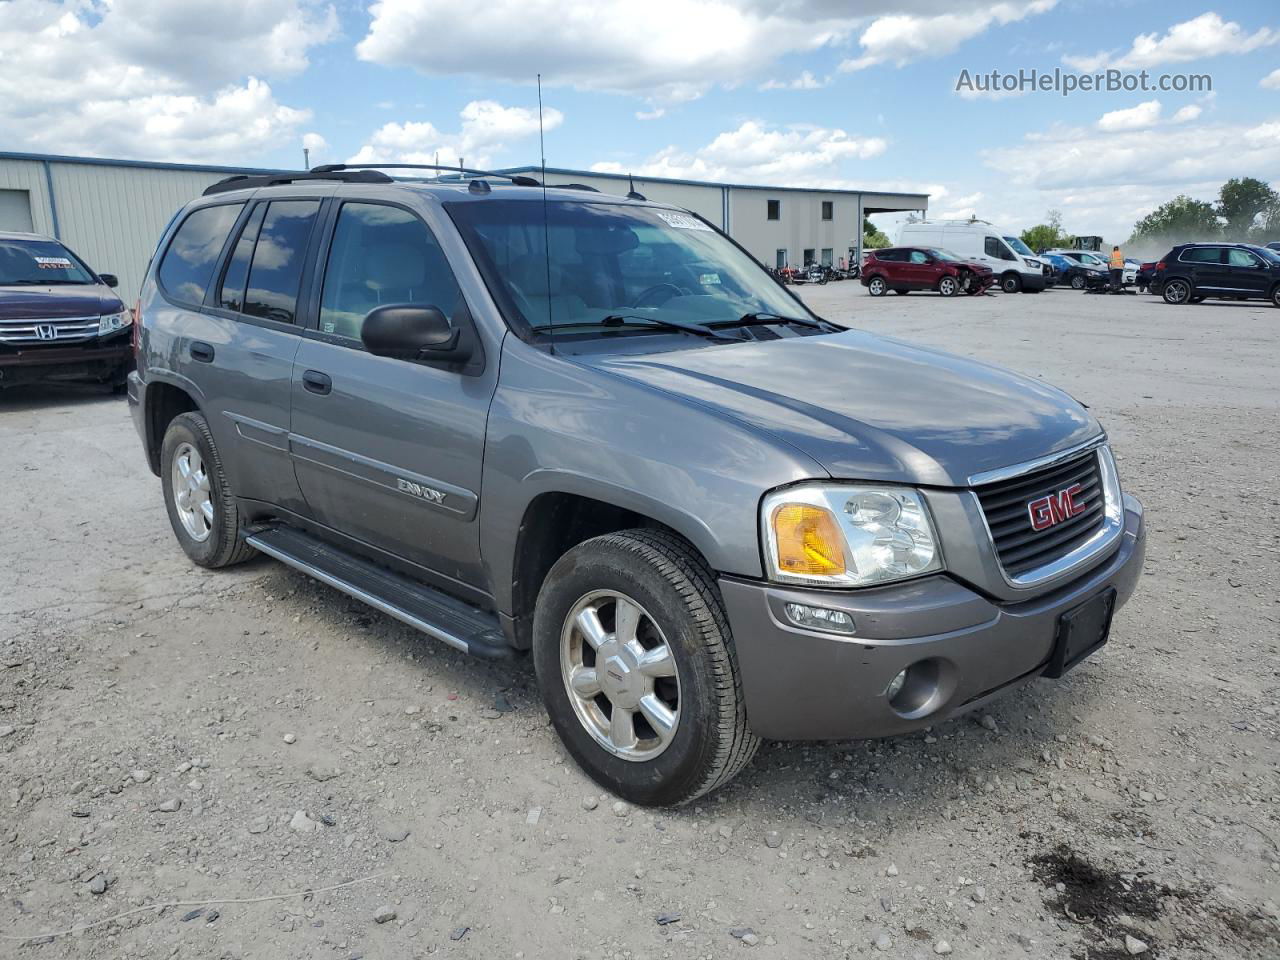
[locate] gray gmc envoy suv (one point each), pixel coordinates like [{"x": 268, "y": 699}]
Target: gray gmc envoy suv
[{"x": 594, "y": 428}]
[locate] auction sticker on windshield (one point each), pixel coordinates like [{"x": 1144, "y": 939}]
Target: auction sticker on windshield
[
  {"x": 53, "y": 263},
  {"x": 681, "y": 220}
]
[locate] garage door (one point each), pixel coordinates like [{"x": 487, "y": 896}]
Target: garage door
[{"x": 15, "y": 210}]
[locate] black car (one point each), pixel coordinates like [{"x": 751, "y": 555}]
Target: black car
[
  {"x": 1193, "y": 272},
  {"x": 59, "y": 320}
]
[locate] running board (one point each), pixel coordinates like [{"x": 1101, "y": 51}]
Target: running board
[{"x": 424, "y": 608}]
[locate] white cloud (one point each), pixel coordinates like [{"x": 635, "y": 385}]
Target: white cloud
[
  {"x": 960, "y": 208},
  {"x": 487, "y": 127},
  {"x": 1188, "y": 113},
  {"x": 1068, "y": 159},
  {"x": 1144, "y": 115},
  {"x": 755, "y": 153},
  {"x": 806, "y": 81},
  {"x": 901, "y": 38},
  {"x": 1207, "y": 35},
  {"x": 1271, "y": 81},
  {"x": 317, "y": 148},
  {"x": 157, "y": 78},
  {"x": 653, "y": 114}
]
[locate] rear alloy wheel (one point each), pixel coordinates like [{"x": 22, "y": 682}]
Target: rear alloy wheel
[
  {"x": 1011, "y": 283},
  {"x": 948, "y": 286},
  {"x": 1077, "y": 282},
  {"x": 1275, "y": 295},
  {"x": 1176, "y": 292},
  {"x": 877, "y": 287},
  {"x": 637, "y": 668}
]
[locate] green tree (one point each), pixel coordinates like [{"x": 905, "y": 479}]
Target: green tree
[
  {"x": 1240, "y": 202},
  {"x": 1178, "y": 221},
  {"x": 1047, "y": 235},
  {"x": 873, "y": 239}
]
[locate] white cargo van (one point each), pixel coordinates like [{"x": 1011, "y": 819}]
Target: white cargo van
[{"x": 1013, "y": 263}]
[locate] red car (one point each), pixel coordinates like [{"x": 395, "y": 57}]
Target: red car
[{"x": 903, "y": 269}]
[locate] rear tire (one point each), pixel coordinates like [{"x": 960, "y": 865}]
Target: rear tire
[
  {"x": 1176, "y": 292},
  {"x": 1275, "y": 295},
  {"x": 676, "y": 604},
  {"x": 877, "y": 287},
  {"x": 1011, "y": 283},
  {"x": 202, "y": 509}
]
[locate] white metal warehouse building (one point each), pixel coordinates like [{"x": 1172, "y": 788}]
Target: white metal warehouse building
[{"x": 112, "y": 212}]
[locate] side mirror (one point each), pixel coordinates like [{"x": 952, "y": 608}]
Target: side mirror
[
  {"x": 110, "y": 279},
  {"x": 408, "y": 331}
]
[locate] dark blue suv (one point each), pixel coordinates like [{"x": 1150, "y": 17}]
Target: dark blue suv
[{"x": 1194, "y": 272}]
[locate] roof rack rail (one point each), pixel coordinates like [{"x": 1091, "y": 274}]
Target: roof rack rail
[
  {"x": 241, "y": 181},
  {"x": 573, "y": 186},
  {"x": 516, "y": 179}
]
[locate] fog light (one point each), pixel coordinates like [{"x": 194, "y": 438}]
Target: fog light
[
  {"x": 895, "y": 685},
  {"x": 819, "y": 618}
]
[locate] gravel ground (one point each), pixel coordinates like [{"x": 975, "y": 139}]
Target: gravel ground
[{"x": 170, "y": 734}]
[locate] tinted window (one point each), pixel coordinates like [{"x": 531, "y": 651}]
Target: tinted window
[
  {"x": 775, "y": 209},
  {"x": 380, "y": 255},
  {"x": 893, "y": 256},
  {"x": 277, "y": 260},
  {"x": 828, "y": 256},
  {"x": 188, "y": 264},
  {"x": 992, "y": 247},
  {"x": 231, "y": 295},
  {"x": 828, "y": 209},
  {"x": 1203, "y": 255},
  {"x": 1242, "y": 258}
]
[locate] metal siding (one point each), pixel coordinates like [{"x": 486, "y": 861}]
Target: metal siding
[
  {"x": 112, "y": 216},
  {"x": 28, "y": 175},
  {"x": 801, "y": 225},
  {"x": 702, "y": 200}
]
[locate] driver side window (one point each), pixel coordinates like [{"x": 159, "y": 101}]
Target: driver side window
[
  {"x": 381, "y": 255},
  {"x": 1241, "y": 258}
]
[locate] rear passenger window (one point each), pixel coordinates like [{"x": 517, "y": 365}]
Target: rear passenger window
[
  {"x": 188, "y": 264},
  {"x": 278, "y": 257},
  {"x": 1203, "y": 255},
  {"x": 231, "y": 294},
  {"x": 381, "y": 255}
]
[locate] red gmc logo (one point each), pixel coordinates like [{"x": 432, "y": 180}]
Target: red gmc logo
[{"x": 1052, "y": 509}]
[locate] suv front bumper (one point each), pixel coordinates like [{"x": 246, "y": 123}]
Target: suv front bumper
[{"x": 804, "y": 685}]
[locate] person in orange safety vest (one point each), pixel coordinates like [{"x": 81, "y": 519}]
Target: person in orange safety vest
[{"x": 1116, "y": 263}]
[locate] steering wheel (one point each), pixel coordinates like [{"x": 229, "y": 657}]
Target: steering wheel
[{"x": 658, "y": 288}]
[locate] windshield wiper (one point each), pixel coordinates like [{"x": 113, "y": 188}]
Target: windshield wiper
[
  {"x": 42, "y": 283},
  {"x": 636, "y": 320}
]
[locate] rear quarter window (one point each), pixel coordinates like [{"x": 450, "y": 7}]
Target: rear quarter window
[{"x": 189, "y": 262}]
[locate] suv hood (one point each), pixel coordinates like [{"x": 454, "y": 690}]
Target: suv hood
[
  {"x": 872, "y": 408},
  {"x": 57, "y": 301}
]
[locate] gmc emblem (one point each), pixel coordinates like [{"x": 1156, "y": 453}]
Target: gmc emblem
[{"x": 1053, "y": 508}]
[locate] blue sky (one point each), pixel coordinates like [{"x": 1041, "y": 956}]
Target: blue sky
[{"x": 818, "y": 92}]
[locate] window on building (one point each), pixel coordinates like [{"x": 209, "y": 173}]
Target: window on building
[
  {"x": 808, "y": 256},
  {"x": 775, "y": 209},
  {"x": 187, "y": 267},
  {"x": 828, "y": 210},
  {"x": 780, "y": 257},
  {"x": 276, "y": 272},
  {"x": 380, "y": 255},
  {"x": 828, "y": 256}
]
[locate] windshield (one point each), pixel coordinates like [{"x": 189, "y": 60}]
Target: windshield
[
  {"x": 942, "y": 254},
  {"x": 1019, "y": 246},
  {"x": 1268, "y": 253},
  {"x": 609, "y": 260},
  {"x": 40, "y": 262}
]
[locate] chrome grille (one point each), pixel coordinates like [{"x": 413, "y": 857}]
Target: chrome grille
[
  {"x": 1005, "y": 504},
  {"x": 60, "y": 330}
]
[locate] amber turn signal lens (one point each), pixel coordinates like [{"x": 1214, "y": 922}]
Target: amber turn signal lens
[{"x": 809, "y": 541}]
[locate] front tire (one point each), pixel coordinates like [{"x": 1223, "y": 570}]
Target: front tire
[
  {"x": 948, "y": 286},
  {"x": 1011, "y": 283},
  {"x": 1176, "y": 292},
  {"x": 637, "y": 668},
  {"x": 1077, "y": 282},
  {"x": 202, "y": 509}
]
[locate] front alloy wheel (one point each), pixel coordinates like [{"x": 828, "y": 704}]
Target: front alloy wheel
[
  {"x": 947, "y": 286},
  {"x": 1077, "y": 282},
  {"x": 620, "y": 675}
]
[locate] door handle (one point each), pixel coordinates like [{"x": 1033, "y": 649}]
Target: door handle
[
  {"x": 201, "y": 351},
  {"x": 317, "y": 382}
]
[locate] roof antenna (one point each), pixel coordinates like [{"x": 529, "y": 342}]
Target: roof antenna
[
  {"x": 546, "y": 229},
  {"x": 632, "y": 193}
]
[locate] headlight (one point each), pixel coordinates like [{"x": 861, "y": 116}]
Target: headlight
[
  {"x": 113, "y": 322},
  {"x": 835, "y": 535},
  {"x": 1033, "y": 264}
]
